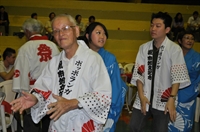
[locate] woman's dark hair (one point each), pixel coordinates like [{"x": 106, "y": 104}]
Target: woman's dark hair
[
  {"x": 76, "y": 18},
  {"x": 177, "y": 19},
  {"x": 182, "y": 34},
  {"x": 90, "y": 29},
  {"x": 51, "y": 14}
]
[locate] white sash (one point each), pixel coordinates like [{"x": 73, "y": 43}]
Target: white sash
[{"x": 66, "y": 86}]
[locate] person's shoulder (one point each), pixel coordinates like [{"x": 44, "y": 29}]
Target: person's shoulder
[
  {"x": 5, "y": 12},
  {"x": 2, "y": 67},
  {"x": 1, "y": 63},
  {"x": 108, "y": 54},
  {"x": 27, "y": 45},
  {"x": 197, "y": 54},
  {"x": 172, "y": 44},
  {"x": 51, "y": 44},
  {"x": 198, "y": 18},
  {"x": 191, "y": 17},
  {"x": 24, "y": 46},
  {"x": 111, "y": 55},
  {"x": 94, "y": 56},
  {"x": 173, "y": 47},
  {"x": 33, "y": 45},
  {"x": 146, "y": 44},
  {"x": 56, "y": 58}
]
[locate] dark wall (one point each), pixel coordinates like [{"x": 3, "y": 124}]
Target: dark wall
[{"x": 179, "y": 2}]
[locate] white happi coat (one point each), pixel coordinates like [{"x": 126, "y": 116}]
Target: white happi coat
[
  {"x": 31, "y": 60},
  {"x": 170, "y": 69},
  {"x": 84, "y": 77}
]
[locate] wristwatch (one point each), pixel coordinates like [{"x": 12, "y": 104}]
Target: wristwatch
[{"x": 173, "y": 96}]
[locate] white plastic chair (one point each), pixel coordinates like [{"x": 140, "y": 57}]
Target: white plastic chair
[
  {"x": 129, "y": 95},
  {"x": 3, "y": 121},
  {"x": 128, "y": 67},
  {"x": 197, "y": 111},
  {"x": 6, "y": 87}
]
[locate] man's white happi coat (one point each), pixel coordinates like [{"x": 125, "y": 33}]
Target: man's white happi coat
[
  {"x": 31, "y": 60},
  {"x": 84, "y": 77},
  {"x": 170, "y": 69}
]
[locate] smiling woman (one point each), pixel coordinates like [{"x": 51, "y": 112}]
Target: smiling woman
[
  {"x": 187, "y": 96},
  {"x": 96, "y": 36}
]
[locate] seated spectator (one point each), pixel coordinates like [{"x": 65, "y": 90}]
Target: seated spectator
[
  {"x": 78, "y": 19},
  {"x": 34, "y": 15},
  {"x": 91, "y": 19},
  {"x": 48, "y": 27},
  {"x": 177, "y": 25},
  {"x": 6, "y": 66},
  {"x": 193, "y": 24},
  {"x": 4, "y": 21}
]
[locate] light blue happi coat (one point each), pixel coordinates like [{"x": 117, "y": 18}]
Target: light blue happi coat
[
  {"x": 187, "y": 96},
  {"x": 119, "y": 88}
]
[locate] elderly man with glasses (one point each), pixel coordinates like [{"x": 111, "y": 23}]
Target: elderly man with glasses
[{"x": 74, "y": 88}]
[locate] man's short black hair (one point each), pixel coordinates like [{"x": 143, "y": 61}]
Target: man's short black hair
[
  {"x": 2, "y": 7},
  {"x": 33, "y": 14},
  {"x": 195, "y": 13},
  {"x": 8, "y": 52},
  {"x": 167, "y": 19},
  {"x": 91, "y": 17}
]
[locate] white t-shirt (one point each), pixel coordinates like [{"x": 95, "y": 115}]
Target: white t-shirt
[
  {"x": 48, "y": 27},
  {"x": 4, "y": 69},
  {"x": 193, "y": 22}
]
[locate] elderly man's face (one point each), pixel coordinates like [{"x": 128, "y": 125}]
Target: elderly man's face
[{"x": 65, "y": 33}]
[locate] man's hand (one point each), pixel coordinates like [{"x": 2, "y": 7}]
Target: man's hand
[
  {"x": 60, "y": 107},
  {"x": 24, "y": 102},
  {"x": 144, "y": 101},
  {"x": 170, "y": 107}
]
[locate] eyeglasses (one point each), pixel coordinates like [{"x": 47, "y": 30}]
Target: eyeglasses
[
  {"x": 65, "y": 29},
  {"x": 188, "y": 38}
]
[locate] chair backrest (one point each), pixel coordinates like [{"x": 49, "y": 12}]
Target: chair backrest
[
  {"x": 2, "y": 97},
  {"x": 128, "y": 67},
  {"x": 6, "y": 87}
]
